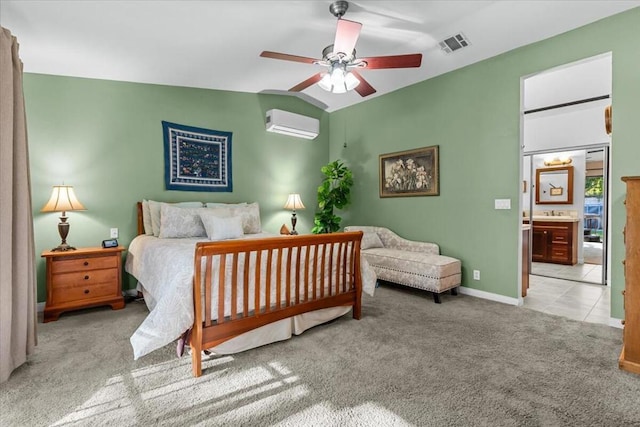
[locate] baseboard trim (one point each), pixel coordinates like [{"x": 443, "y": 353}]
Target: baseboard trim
[
  {"x": 615, "y": 323},
  {"x": 488, "y": 295},
  {"x": 40, "y": 307}
]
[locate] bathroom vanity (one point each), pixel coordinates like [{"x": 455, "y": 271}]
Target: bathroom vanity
[{"x": 555, "y": 240}]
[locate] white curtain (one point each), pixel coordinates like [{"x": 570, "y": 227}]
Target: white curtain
[{"x": 17, "y": 254}]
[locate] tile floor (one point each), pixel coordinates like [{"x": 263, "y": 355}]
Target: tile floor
[
  {"x": 575, "y": 300},
  {"x": 580, "y": 272}
]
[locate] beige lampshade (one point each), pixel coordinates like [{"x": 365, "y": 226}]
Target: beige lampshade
[
  {"x": 63, "y": 199},
  {"x": 294, "y": 202}
]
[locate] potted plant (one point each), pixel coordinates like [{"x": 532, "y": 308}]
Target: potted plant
[{"x": 334, "y": 192}]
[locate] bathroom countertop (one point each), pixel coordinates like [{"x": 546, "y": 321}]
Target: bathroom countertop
[{"x": 564, "y": 218}]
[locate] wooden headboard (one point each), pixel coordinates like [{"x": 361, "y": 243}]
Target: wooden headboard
[{"x": 140, "y": 220}]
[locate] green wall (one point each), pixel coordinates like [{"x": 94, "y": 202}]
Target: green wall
[
  {"x": 473, "y": 114},
  {"x": 105, "y": 138}
]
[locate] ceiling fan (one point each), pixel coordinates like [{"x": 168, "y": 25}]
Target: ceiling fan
[{"x": 340, "y": 59}]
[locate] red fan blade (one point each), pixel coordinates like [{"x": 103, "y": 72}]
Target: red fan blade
[
  {"x": 305, "y": 84},
  {"x": 364, "y": 88},
  {"x": 393, "y": 61},
  {"x": 287, "y": 57},
  {"x": 347, "y": 35}
]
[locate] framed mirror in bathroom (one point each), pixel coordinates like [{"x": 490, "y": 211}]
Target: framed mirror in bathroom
[{"x": 554, "y": 186}]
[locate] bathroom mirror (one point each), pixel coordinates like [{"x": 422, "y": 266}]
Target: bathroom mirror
[{"x": 554, "y": 186}]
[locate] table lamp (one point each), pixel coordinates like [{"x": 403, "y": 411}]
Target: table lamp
[
  {"x": 293, "y": 202},
  {"x": 63, "y": 199}
]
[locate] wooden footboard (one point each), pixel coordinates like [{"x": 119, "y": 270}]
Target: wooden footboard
[{"x": 283, "y": 277}]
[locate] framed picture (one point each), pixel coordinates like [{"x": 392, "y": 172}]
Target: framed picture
[
  {"x": 554, "y": 186},
  {"x": 410, "y": 173},
  {"x": 196, "y": 159}
]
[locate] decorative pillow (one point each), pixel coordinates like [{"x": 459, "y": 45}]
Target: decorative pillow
[
  {"x": 222, "y": 205},
  {"x": 146, "y": 218},
  {"x": 250, "y": 217},
  {"x": 154, "y": 208},
  {"x": 221, "y": 227},
  {"x": 250, "y": 214},
  {"x": 177, "y": 222},
  {"x": 371, "y": 240}
]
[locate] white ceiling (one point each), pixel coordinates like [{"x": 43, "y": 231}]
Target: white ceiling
[{"x": 216, "y": 44}]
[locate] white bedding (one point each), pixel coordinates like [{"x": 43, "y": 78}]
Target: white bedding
[{"x": 164, "y": 269}]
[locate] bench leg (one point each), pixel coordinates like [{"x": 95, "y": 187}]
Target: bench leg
[
  {"x": 436, "y": 297},
  {"x": 454, "y": 291}
]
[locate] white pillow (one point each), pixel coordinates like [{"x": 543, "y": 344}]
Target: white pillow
[
  {"x": 146, "y": 218},
  {"x": 222, "y": 205},
  {"x": 177, "y": 222},
  {"x": 221, "y": 227},
  {"x": 154, "y": 208},
  {"x": 371, "y": 240},
  {"x": 250, "y": 214}
]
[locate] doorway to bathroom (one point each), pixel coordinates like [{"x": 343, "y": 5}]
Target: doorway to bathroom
[
  {"x": 565, "y": 166},
  {"x": 569, "y": 240}
]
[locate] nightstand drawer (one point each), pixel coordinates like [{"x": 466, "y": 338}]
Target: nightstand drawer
[
  {"x": 83, "y": 264},
  {"x": 67, "y": 280},
  {"x": 81, "y": 292}
]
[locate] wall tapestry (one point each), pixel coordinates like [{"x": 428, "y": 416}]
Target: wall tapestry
[
  {"x": 196, "y": 159},
  {"x": 410, "y": 173}
]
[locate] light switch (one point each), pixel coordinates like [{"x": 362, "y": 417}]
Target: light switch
[{"x": 502, "y": 203}]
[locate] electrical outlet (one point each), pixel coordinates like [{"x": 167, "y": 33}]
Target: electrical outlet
[
  {"x": 476, "y": 274},
  {"x": 114, "y": 233}
]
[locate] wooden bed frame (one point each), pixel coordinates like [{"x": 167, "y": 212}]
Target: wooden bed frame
[{"x": 301, "y": 282}]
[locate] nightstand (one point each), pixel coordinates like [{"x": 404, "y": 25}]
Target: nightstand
[{"x": 85, "y": 277}]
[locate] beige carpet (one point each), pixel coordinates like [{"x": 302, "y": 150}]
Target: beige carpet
[{"x": 465, "y": 362}]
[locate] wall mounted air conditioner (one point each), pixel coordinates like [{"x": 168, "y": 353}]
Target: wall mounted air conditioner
[{"x": 292, "y": 124}]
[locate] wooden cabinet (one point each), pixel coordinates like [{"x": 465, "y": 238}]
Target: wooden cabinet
[
  {"x": 630, "y": 356},
  {"x": 539, "y": 241},
  {"x": 555, "y": 242},
  {"x": 86, "y": 277}
]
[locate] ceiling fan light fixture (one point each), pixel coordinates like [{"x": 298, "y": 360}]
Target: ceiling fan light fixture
[
  {"x": 340, "y": 59},
  {"x": 351, "y": 81},
  {"x": 338, "y": 79}
]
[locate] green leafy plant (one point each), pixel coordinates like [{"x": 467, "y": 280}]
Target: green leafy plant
[
  {"x": 594, "y": 187},
  {"x": 333, "y": 193}
]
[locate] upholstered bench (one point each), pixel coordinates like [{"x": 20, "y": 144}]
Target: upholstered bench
[{"x": 407, "y": 262}]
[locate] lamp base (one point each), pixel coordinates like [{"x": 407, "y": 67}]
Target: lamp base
[
  {"x": 62, "y": 247},
  {"x": 294, "y": 220},
  {"x": 63, "y": 229}
]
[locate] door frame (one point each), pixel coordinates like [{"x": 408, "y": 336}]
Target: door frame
[{"x": 606, "y": 256}]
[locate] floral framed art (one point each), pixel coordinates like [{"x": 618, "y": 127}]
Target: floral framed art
[
  {"x": 197, "y": 159},
  {"x": 410, "y": 173}
]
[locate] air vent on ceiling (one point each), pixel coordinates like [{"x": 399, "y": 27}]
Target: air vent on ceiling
[{"x": 453, "y": 43}]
